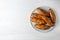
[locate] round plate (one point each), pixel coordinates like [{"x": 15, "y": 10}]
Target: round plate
[{"x": 46, "y": 9}]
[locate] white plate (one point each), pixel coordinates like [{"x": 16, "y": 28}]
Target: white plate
[{"x": 46, "y": 9}]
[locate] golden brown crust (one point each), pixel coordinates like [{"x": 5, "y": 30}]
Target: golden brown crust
[
  {"x": 40, "y": 26},
  {"x": 33, "y": 19},
  {"x": 36, "y": 15},
  {"x": 36, "y": 20},
  {"x": 42, "y": 12},
  {"x": 40, "y": 21},
  {"x": 48, "y": 21},
  {"x": 52, "y": 15}
]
